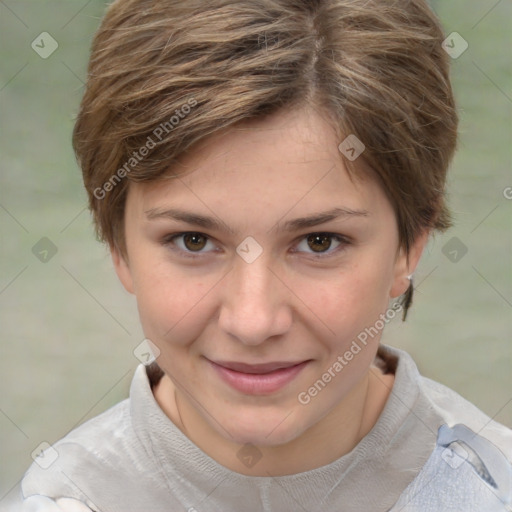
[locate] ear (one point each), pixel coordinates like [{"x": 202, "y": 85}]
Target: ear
[
  {"x": 122, "y": 268},
  {"x": 406, "y": 264}
]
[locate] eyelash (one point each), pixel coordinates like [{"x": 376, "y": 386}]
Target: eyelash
[{"x": 342, "y": 240}]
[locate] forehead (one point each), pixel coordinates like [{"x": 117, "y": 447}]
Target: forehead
[
  {"x": 284, "y": 162},
  {"x": 293, "y": 137}
]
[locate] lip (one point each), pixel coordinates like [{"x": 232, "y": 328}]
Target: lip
[
  {"x": 256, "y": 368},
  {"x": 258, "y": 379}
]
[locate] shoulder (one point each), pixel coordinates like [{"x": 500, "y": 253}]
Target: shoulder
[
  {"x": 94, "y": 448},
  {"x": 454, "y": 409},
  {"x": 464, "y": 472},
  {"x": 470, "y": 465},
  {"x": 105, "y": 457},
  {"x": 44, "y": 504},
  {"x": 435, "y": 400}
]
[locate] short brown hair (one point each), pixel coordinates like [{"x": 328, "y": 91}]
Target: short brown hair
[{"x": 376, "y": 68}]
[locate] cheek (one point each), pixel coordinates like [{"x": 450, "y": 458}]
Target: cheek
[
  {"x": 349, "y": 293},
  {"x": 173, "y": 307},
  {"x": 345, "y": 304}
]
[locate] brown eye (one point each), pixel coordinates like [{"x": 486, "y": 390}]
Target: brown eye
[
  {"x": 190, "y": 244},
  {"x": 319, "y": 242},
  {"x": 194, "y": 241}
]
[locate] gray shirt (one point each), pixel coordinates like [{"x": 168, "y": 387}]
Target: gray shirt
[{"x": 430, "y": 451}]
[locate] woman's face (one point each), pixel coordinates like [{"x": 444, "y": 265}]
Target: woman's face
[{"x": 256, "y": 269}]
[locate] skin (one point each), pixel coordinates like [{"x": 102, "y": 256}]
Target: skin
[{"x": 201, "y": 301}]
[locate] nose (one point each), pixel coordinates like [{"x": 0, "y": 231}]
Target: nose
[{"x": 255, "y": 303}]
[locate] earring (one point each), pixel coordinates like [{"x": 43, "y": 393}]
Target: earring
[{"x": 407, "y": 298}]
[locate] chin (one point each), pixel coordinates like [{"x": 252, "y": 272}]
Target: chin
[{"x": 262, "y": 429}]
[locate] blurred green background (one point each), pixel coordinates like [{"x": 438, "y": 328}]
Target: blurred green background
[{"x": 69, "y": 329}]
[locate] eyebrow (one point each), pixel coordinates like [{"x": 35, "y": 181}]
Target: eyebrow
[
  {"x": 188, "y": 217},
  {"x": 292, "y": 225},
  {"x": 321, "y": 218}
]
